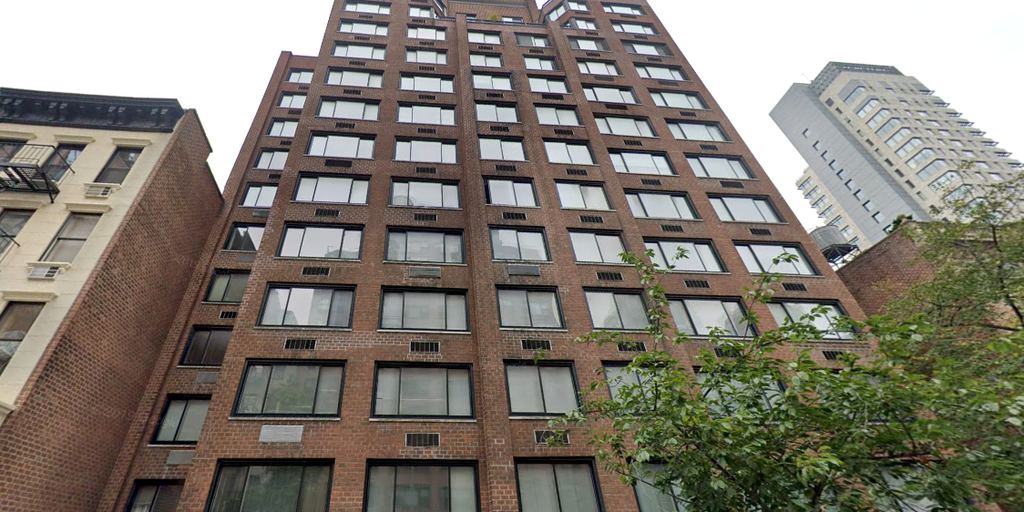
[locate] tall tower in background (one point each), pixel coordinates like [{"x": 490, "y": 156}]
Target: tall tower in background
[{"x": 879, "y": 144}]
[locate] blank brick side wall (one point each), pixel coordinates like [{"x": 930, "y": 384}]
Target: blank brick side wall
[{"x": 884, "y": 272}]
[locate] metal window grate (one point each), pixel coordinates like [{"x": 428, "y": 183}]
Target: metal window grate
[
  {"x": 357, "y": 63},
  {"x": 671, "y": 228},
  {"x": 794, "y": 287},
  {"x": 721, "y": 352},
  {"x": 361, "y": 38},
  {"x": 653, "y": 59},
  {"x": 632, "y": 143},
  {"x": 591, "y": 219},
  {"x": 338, "y": 163},
  {"x": 356, "y": 92},
  {"x": 426, "y": 170},
  {"x": 228, "y": 315},
  {"x": 604, "y": 78},
  {"x": 349, "y": 126},
  {"x": 506, "y": 168},
  {"x": 300, "y": 344},
  {"x": 425, "y": 346},
  {"x": 697, "y": 283},
  {"x": 576, "y": 172},
  {"x": 831, "y": 355},
  {"x": 534, "y": 50},
  {"x": 592, "y": 54},
  {"x": 632, "y": 346},
  {"x": 761, "y": 231},
  {"x": 648, "y": 181},
  {"x": 687, "y": 114},
  {"x": 482, "y": 47},
  {"x": 425, "y": 216},
  {"x": 609, "y": 276},
  {"x": 426, "y": 130},
  {"x": 513, "y": 216},
  {"x": 545, "y": 437},
  {"x": 427, "y": 97},
  {"x": 536, "y": 344},
  {"x": 427, "y": 68},
  {"x": 427, "y": 43},
  {"x": 316, "y": 271},
  {"x": 499, "y": 128},
  {"x": 495, "y": 95},
  {"x": 730, "y": 184},
  {"x": 423, "y": 440},
  {"x": 709, "y": 147},
  {"x": 326, "y": 212},
  {"x": 563, "y": 132}
]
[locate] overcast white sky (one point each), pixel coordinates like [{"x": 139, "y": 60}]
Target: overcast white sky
[{"x": 217, "y": 55}]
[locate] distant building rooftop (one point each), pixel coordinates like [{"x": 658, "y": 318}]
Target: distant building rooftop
[
  {"x": 88, "y": 110},
  {"x": 833, "y": 69}
]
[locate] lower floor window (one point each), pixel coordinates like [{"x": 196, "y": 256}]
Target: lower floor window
[
  {"x": 155, "y": 497},
  {"x": 561, "y": 487},
  {"x": 271, "y": 487},
  {"x": 408, "y": 488}
]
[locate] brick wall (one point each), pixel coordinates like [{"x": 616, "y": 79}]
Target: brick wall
[{"x": 884, "y": 272}]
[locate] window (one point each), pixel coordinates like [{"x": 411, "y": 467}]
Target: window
[
  {"x": 484, "y": 37},
  {"x": 610, "y": 95},
  {"x": 11, "y": 223},
  {"x": 287, "y": 486},
  {"x": 283, "y": 128},
  {"x": 699, "y": 256},
  {"x": 426, "y": 114},
  {"x": 511, "y": 19},
  {"x": 340, "y": 109},
  {"x": 421, "y": 12},
  {"x": 425, "y": 194},
  {"x": 518, "y": 244},
  {"x": 10, "y": 148},
  {"x": 61, "y": 160},
  {"x": 678, "y": 100},
  {"x": 920, "y": 158},
  {"x": 244, "y": 238},
  {"x": 492, "y": 82},
  {"x": 538, "y": 41},
  {"x": 227, "y": 286},
  {"x": 660, "y": 206},
  {"x": 499, "y": 149},
  {"x": 340, "y": 146},
  {"x": 298, "y": 306},
  {"x": 618, "y": 377},
  {"x": 321, "y": 242},
  {"x": 590, "y": 45},
  {"x": 259, "y": 196},
  {"x": 359, "y": 51},
  {"x": 660, "y": 72},
  {"x": 898, "y": 137},
  {"x": 911, "y": 144},
  {"x": 565, "y": 7},
  {"x": 510, "y": 193},
  {"x": 15, "y": 322},
  {"x": 540, "y": 389},
  {"x": 561, "y": 487},
  {"x": 854, "y": 94},
  {"x": 426, "y": 56},
  {"x": 324, "y": 189},
  {"x": 697, "y": 131},
  {"x": 538, "y": 309},
  {"x": 932, "y": 168},
  {"x": 623, "y": 9},
  {"x": 417, "y": 486},
  {"x": 427, "y": 84},
  {"x": 434, "y": 34},
  {"x": 117, "y": 168},
  {"x": 155, "y": 496},
  {"x": 624, "y": 126},
  {"x": 593, "y": 67},
  {"x": 797, "y": 311},
  {"x": 370, "y": 29},
  {"x": 596, "y": 247},
  {"x": 744, "y": 209},
  {"x": 581, "y": 24},
  {"x": 697, "y": 317},
  {"x": 879, "y": 217},
  {"x": 888, "y": 127},
  {"x": 272, "y": 160},
  {"x": 292, "y": 101},
  {"x": 582, "y": 196},
  {"x": 633, "y": 28},
  {"x": 540, "y": 64},
  {"x": 182, "y": 420},
  {"x": 566, "y": 153},
  {"x": 367, "y": 7},
  {"x": 614, "y": 310},
  {"x": 350, "y": 78},
  {"x": 424, "y": 391},
  {"x": 719, "y": 167},
  {"x": 71, "y": 237},
  {"x": 206, "y": 347},
  {"x": 655, "y": 50},
  {"x": 867, "y": 108},
  {"x": 424, "y": 246},
  {"x": 877, "y": 119},
  {"x": 492, "y": 113},
  {"x": 428, "y": 311},
  {"x": 300, "y": 76},
  {"x": 484, "y": 60},
  {"x": 425, "y": 151},
  {"x": 548, "y": 85},
  {"x": 759, "y": 258},
  {"x": 641, "y": 163}
]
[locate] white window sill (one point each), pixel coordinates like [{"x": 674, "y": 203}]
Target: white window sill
[
  {"x": 422, "y": 420},
  {"x": 412, "y": 331},
  {"x": 425, "y": 263},
  {"x": 290, "y": 419},
  {"x": 536, "y": 329}
]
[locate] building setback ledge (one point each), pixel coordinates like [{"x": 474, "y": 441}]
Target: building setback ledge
[
  {"x": 5, "y": 410},
  {"x": 25, "y": 296}
]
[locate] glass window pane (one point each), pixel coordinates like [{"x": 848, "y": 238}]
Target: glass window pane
[
  {"x": 292, "y": 389},
  {"x": 505, "y": 244},
  {"x": 328, "y": 393},
  {"x": 254, "y": 389},
  {"x": 544, "y": 309},
  {"x": 387, "y": 391},
  {"x": 537, "y": 491},
  {"x": 455, "y": 312},
  {"x": 513, "y": 308},
  {"x": 524, "y": 390},
  {"x": 192, "y": 421},
  {"x": 559, "y": 393},
  {"x": 171, "y": 421},
  {"x": 459, "y": 396},
  {"x": 424, "y": 311},
  {"x": 576, "y": 491},
  {"x": 603, "y": 311},
  {"x": 463, "y": 489},
  {"x": 631, "y": 310},
  {"x": 532, "y": 247}
]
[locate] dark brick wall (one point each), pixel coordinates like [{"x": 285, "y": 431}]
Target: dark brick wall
[{"x": 885, "y": 272}]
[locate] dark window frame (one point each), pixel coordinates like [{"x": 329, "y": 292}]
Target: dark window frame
[
  {"x": 398, "y": 463},
  {"x": 558, "y": 301},
  {"x": 117, "y": 151},
  {"x": 702, "y": 241},
  {"x": 321, "y": 363},
  {"x": 414, "y": 364},
  {"x": 189, "y": 344},
  {"x": 541, "y": 230},
  {"x": 213, "y": 280},
  {"x": 232, "y": 232},
  {"x": 304, "y": 225},
  {"x": 248, "y": 463},
  {"x": 137, "y": 485},
  {"x": 617, "y": 291},
  {"x": 404, "y": 229},
  {"x": 554, "y": 461},
  {"x": 290, "y": 286},
  {"x": 407, "y": 289},
  {"x": 487, "y": 190},
  {"x": 560, "y": 363},
  {"x": 163, "y": 415},
  {"x": 748, "y": 329},
  {"x": 57, "y": 238}
]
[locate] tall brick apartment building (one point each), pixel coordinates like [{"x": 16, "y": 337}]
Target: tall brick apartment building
[{"x": 440, "y": 192}]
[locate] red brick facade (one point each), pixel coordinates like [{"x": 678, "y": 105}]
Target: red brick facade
[{"x": 884, "y": 272}]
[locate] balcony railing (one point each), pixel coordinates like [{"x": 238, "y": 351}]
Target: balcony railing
[{"x": 31, "y": 168}]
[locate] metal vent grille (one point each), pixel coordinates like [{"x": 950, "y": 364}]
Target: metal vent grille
[
  {"x": 648, "y": 181},
  {"x": 632, "y": 143},
  {"x": 721, "y": 352},
  {"x": 275, "y": 176},
  {"x": 356, "y": 92},
  {"x": 616, "y": 107},
  {"x": 591, "y": 219},
  {"x": 425, "y": 216},
  {"x": 427, "y": 97},
  {"x": 423, "y": 440},
  {"x": 731, "y": 184},
  {"x": 653, "y": 59},
  {"x": 609, "y": 276},
  {"x": 536, "y": 344},
  {"x": 295, "y": 112},
  {"x": 709, "y": 147},
  {"x": 338, "y": 163},
  {"x": 316, "y": 271},
  {"x": 603, "y": 78},
  {"x": 551, "y": 96},
  {"x": 426, "y": 68},
  {"x": 358, "y": 63},
  {"x": 349, "y": 126},
  {"x": 761, "y": 231},
  {"x": 592, "y": 33},
  {"x": 326, "y": 212},
  {"x": 592, "y": 54},
  {"x": 576, "y": 172},
  {"x": 642, "y": 38},
  {"x": 427, "y": 43},
  {"x": 495, "y": 95},
  {"x": 481, "y": 47},
  {"x": 228, "y": 315},
  {"x": 432, "y": 347},
  {"x": 563, "y": 132},
  {"x": 361, "y": 38},
  {"x": 285, "y": 143},
  {"x": 513, "y": 216},
  {"x": 697, "y": 283},
  {"x": 426, "y": 130},
  {"x": 534, "y": 50},
  {"x": 831, "y": 355},
  {"x": 499, "y": 128},
  {"x": 671, "y": 228},
  {"x": 667, "y": 83},
  {"x": 426, "y": 170},
  {"x": 632, "y": 346},
  {"x": 300, "y": 344},
  {"x": 688, "y": 114},
  {"x": 794, "y": 287},
  {"x": 545, "y": 437},
  {"x": 506, "y": 168},
  {"x": 365, "y": 17}
]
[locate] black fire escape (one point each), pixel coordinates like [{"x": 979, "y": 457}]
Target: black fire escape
[{"x": 30, "y": 167}]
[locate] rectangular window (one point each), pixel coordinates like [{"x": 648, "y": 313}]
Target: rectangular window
[
  {"x": 510, "y": 193},
  {"x": 425, "y": 151},
  {"x": 617, "y": 310},
  {"x": 697, "y": 131},
  {"x": 206, "y": 347},
  {"x": 678, "y": 100},
  {"x": 415, "y": 486},
  {"x": 492, "y": 82},
  {"x": 158, "y": 496},
  {"x": 504, "y": 150},
  {"x": 854, "y": 94},
  {"x": 61, "y": 160},
  {"x": 623, "y": 9},
  {"x": 300, "y": 76},
  {"x": 292, "y": 101},
  {"x": 538, "y": 309},
  {"x": 304, "y": 306},
  {"x": 566, "y": 153},
  {"x": 596, "y": 247},
  {"x": 652, "y": 50},
  {"x": 581, "y": 196},
  {"x": 424, "y": 246},
  {"x": 618, "y": 378},
  {"x": 340, "y": 146},
  {"x": 760, "y": 258},
  {"x": 367, "y": 7},
  {"x": 641, "y": 163},
  {"x": 423, "y": 391},
  {"x": 744, "y": 209},
  {"x": 868, "y": 107},
  {"x": 888, "y": 127},
  {"x": 493, "y": 113},
  {"x": 540, "y": 64},
  {"x": 516, "y": 244},
  {"x": 565, "y": 7},
  {"x": 15, "y": 322},
  {"x": 484, "y": 60},
  {"x": 342, "y": 109},
  {"x": 323, "y": 242},
  {"x": 421, "y": 12},
  {"x": 660, "y": 206},
  {"x": 283, "y": 128},
  {"x": 369, "y": 29},
  {"x": 427, "y": 56},
  {"x": 553, "y": 116},
  {"x": 633, "y": 28},
  {"x": 540, "y": 389},
  {"x": 11, "y": 223},
  {"x": 920, "y": 158},
  {"x": 698, "y": 317},
  {"x": 425, "y": 194},
  {"x": 423, "y": 310},
  {"x": 590, "y": 45},
  {"x": 624, "y": 126},
  {"x": 329, "y": 189},
  {"x": 285, "y": 486},
  {"x": 610, "y": 95},
  {"x": 698, "y": 256},
  {"x": 271, "y": 160},
  {"x": 484, "y": 37},
  {"x": 359, "y": 51},
  {"x": 533, "y": 40},
  {"x": 877, "y": 119},
  {"x": 719, "y": 167},
  {"x": 227, "y": 286},
  {"x": 581, "y": 24},
  {"x": 182, "y": 420},
  {"x": 660, "y": 72},
  {"x": 426, "y": 114},
  {"x": 433, "y": 34},
  {"x": 259, "y": 196},
  {"x": 244, "y": 238},
  {"x": 422, "y": 83},
  {"x": 117, "y": 168},
  {"x": 557, "y": 487},
  {"x": 932, "y": 168},
  {"x": 548, "y": 85},
  {"x": 349, "y": 78},
  {"x": 71, "y": 237},
  {"x": 801, "y": 312}
]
